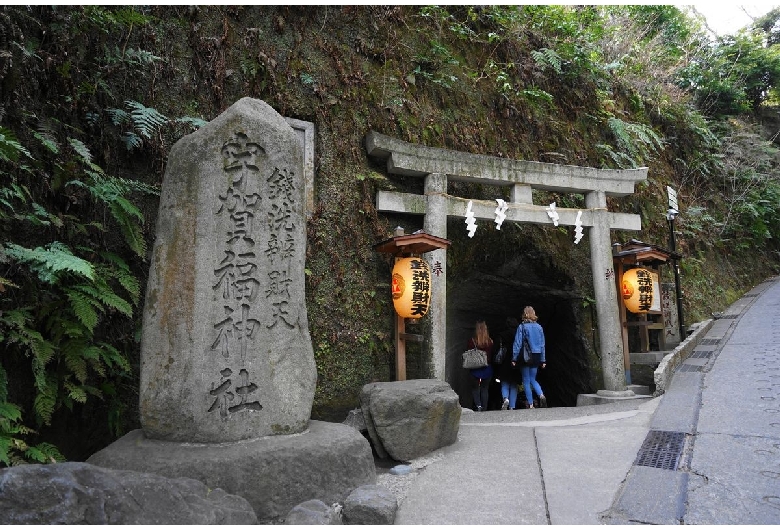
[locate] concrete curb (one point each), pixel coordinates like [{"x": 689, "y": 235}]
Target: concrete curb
[{"x": 662, "y": 375}]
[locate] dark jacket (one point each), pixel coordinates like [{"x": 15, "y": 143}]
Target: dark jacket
[{"x": 505, "y": 371}]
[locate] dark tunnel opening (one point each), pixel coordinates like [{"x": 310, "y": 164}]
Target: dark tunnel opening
[{"x": 493, "y": 297}]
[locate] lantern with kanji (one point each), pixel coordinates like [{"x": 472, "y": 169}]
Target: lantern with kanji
[
  {"x": 637, "y": 290},
  {"x": 411, "y": 287}
]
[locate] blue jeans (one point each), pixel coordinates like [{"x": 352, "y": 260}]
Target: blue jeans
[
  {"x": 529, "y": 379},
  {"x": 509, "y": 391}
]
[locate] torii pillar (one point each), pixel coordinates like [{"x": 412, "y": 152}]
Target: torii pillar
[
  {"x": 605, "y": 291},
  {"x": 435, "y": 223}
]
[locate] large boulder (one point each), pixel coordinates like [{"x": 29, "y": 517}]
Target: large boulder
[
  {"x": 75, "y": 493},
  {"x": 408, "y": 419}
]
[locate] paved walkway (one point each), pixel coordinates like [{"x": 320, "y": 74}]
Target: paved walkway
[{"x": 715, "y": 460}]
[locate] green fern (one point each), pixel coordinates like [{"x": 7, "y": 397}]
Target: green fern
[
  {"x": 102, "y": 293},
  {"x": 196, "y": 123},
  {"x": 545, "y": 57},
  {"x": 535, "y": 94},
  {"x": 16, "y": 329},
  {"x": 45, "y": 402},
  {"x": 119, "y": 116},
  {"x": 61, "y": 298},
  {"x": 635, "y": 140},
  {"x": 140, "y": 57},
  {"x": 93, "y": 356},
  {"x": 9, "y": 196},
  {"x": 9, "y": 412},
  {"x": 85, "y": 308},
  {"x": 81, "y": 149},
  {"x": 147, "y": 121},
  {"x": 113, "y": 192},
  {"x": 45, "y": 453},
  {"x": 75, "y": 363},
  {"x": 113, "y": 358},
  {"x": 51, "y": 260},
  {"x": 120, "y": 271},
  {"x": 48, "y": 141},
  {"x": 620, "y": 160},
  {"x": 10, "y": 148},
  {"x": 75, "y": 392},
  {"x": 131, "y": 140}
]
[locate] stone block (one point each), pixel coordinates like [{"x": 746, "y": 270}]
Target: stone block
[
  {"x": 408, "y": 419},
  {"x": 370, "y": 504},
  {"x": 273, "y": 473}
]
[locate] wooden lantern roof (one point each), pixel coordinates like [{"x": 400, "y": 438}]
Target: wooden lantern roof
[
  {"x": 416, "y": 243},
  {"x": 638, "y": 252}
]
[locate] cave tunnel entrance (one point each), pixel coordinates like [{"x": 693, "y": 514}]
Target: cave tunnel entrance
[{"x": 493, "y": 298}]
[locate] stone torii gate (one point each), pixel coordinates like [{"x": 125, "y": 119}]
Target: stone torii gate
[{"x": 439, "y": 166}]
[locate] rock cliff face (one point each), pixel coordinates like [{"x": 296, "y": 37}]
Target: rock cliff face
[{"x": 420, "y": 74}]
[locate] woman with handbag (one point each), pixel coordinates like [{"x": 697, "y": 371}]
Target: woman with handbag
[
  {"x": 528, "y": 352},
  {"x": 480, "y": 377}
]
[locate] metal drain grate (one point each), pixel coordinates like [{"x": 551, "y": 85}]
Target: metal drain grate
[
  {"x": 710, "y": 342},
  {"x": 689, "y": 368},
  {"x": 724, "y": 317},
  {"x": 700, "y": 354},
  {"x": 661, "y": 450}
]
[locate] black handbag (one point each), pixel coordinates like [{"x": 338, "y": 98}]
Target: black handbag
[
  {"x": 527, "y": 355},
  {"x": 501, "y": 354}
]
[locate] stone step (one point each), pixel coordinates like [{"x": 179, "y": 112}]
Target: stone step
[
  {"x": 640, "y": 390},
  {"x": 603, "y": 397},
  {"x": 650, "y": 357}
]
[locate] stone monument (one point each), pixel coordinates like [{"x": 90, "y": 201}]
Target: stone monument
[
  {"x": 227, "y": 366},
  {"x": 225, "y": 350}
]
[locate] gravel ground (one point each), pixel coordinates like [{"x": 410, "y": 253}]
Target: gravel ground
[{"x": 399, "y": 484}]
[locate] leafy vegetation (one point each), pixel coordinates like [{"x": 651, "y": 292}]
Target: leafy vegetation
[{"x": 88, "y": 96}]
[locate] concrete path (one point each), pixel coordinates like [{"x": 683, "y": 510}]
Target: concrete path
[{"x": 716, "y": 457}]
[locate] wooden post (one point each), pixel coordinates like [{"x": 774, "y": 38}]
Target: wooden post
[{"x": 400, "y": 348}]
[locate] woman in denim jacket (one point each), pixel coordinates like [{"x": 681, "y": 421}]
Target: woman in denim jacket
[{"x": 533, "y": 330}]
